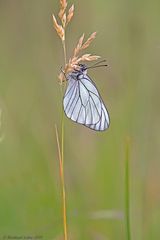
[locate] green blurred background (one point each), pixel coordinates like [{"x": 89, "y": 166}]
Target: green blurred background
[{"x": 30, "y": 101}]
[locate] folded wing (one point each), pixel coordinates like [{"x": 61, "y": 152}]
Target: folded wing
[{"x": 83, "y": 104}]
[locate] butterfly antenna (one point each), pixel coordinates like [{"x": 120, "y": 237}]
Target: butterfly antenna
[
  {"x": 97, "y": 64},
  {"x": 103, "y": 65},
  {"x": 102, "y": 61}
]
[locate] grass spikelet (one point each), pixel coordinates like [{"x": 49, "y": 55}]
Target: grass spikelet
[
  {"x": 88, "y": 58},
  {"x": 79, "y": 46},
  {"x": 64, "y": 19},
  {"x": 70, "y": 14},
  {"x": 59, "y": 29},
  {"x": 89, "y": 40},
  {"x": 63, "y": 4}
]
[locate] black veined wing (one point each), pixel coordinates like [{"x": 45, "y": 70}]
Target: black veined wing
[{"x": 82, "y": 102}]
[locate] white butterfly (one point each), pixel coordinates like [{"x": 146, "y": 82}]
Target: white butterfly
[{"x": 82, "y": 102}]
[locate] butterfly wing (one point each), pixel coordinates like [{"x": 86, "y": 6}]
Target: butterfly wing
[
  {"x": 83, "y": 104},
  {"x": 104, "y": 120}
]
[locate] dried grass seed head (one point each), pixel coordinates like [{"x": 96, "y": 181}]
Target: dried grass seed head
[
  {"x": 88, "y": 58},
  {"x": 70, "y": 14},
  {"x": 59, "y": 29},
  {"x": 79, "y": 46},
  {"x": 89, "y": 41},
  {"x": 76, "y": 59},
  {"x": 63, "y": 3}
]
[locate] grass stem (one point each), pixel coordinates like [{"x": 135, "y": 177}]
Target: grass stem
[
  {"x": 127, "y": 189},
  {"x": 62, "y": 183},
  {"x": 64, "y": 51},
  {"x": 62, "y": 159}
]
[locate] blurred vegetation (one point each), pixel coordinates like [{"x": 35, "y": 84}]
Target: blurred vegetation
[{"x": 30, "y": 100}]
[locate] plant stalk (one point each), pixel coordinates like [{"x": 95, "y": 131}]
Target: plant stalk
[
  {"x": 127, "y": 190},
  {"x": 62, "y": 158}
]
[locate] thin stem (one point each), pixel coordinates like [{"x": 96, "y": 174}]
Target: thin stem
[
  {"x": 62, "y": 159},
  {"x": 64, "y": 51},
  {"x": 127, "y": 190},
  {"x": 62, "y": 183},
  {"x": 62, "y": 92}
]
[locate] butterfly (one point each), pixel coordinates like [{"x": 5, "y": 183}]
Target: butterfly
[{"x": 82, "y": 102}]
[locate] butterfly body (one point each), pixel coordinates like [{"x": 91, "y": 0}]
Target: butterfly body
[{"x": 82, "y": 102}]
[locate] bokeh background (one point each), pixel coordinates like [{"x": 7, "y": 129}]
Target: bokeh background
[{"x": 30, "y": 102}]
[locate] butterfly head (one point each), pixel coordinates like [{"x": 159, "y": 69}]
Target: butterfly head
[{"x": 82, "y": 68}]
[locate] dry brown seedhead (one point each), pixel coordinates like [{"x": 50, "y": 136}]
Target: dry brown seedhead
[
  {"x": 64, "y": 18},
  {"x": 63, "y": 6},
  {"x": 88, "y": 57},
  {"x": 76, "y": 59},
  {"x": 79, "y": 46},
  {"x": 89, "y": 40},
  {"x": 63, "y": 3},
  {"x": 59, "y": 29},
  {"x": 70, "y": 14}
]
